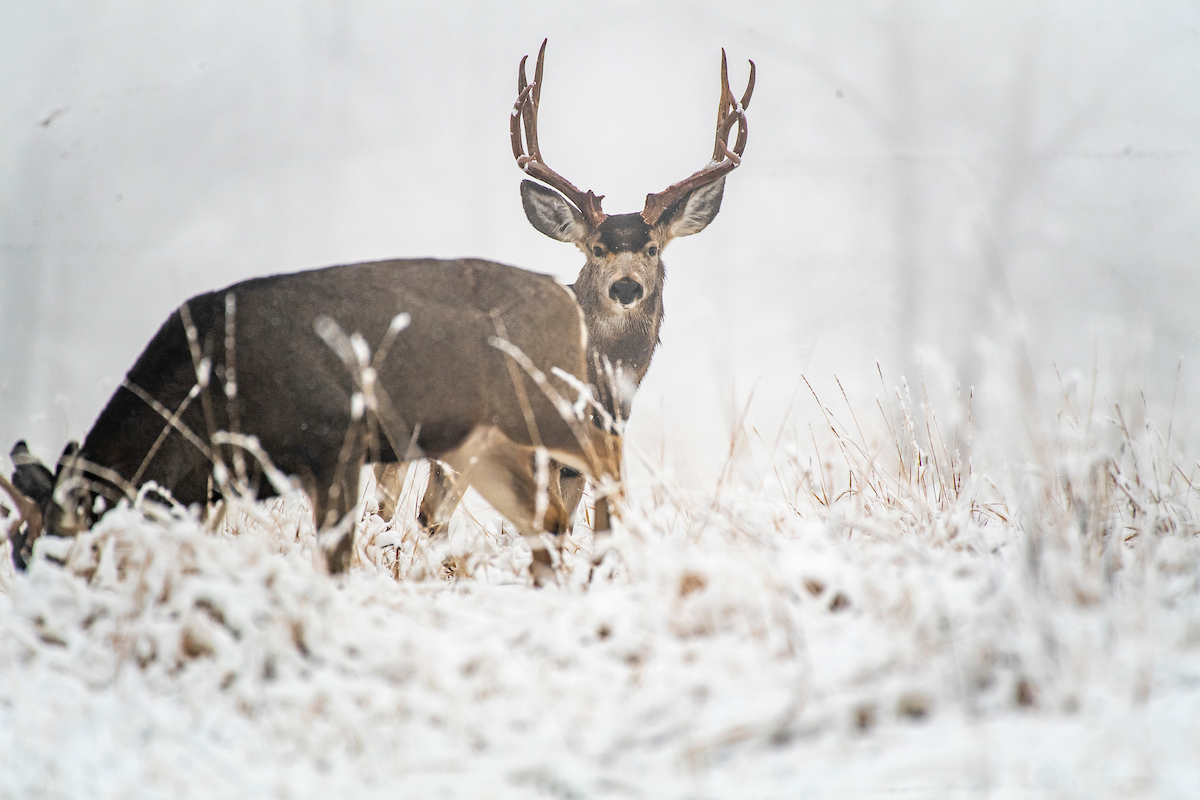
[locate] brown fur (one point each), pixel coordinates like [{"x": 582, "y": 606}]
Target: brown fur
[{"x": 447, "y": 391}]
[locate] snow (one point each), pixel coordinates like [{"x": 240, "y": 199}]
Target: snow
[{"x": 1039, "y": 639}]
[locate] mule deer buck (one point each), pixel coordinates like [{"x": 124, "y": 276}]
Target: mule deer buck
[
  {"x": 620, "y": 285},
  {"x": 475, "y": 364}
]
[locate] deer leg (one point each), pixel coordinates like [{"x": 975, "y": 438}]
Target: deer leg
[
  {"x": 389, "y": 480},
  {"x": 602, "y": 521},
  {"x": 340, "y": 522},
  {"x": 443, "y": 493},
  {"x": 569, "y": 484},
  {"x": 333, "y": 498},
  {"x": 26, "y": 528},
  {"x": 504, "y": 473},
  {"x": 608, "y": 447}
]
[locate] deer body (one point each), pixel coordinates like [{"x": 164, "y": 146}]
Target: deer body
[{"x": 447, "y": 391}]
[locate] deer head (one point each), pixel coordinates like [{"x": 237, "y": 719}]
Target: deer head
[{"x": 620, "y": 285}]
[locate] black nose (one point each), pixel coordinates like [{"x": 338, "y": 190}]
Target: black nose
[{"x": 625, "y": 291}]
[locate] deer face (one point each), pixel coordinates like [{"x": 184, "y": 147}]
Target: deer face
[{"x": 624, "y": 269}]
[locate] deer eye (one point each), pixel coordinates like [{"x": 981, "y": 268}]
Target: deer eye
[
  {"x": 598, "y": 250},
  {"x": 652, "y": 251}
]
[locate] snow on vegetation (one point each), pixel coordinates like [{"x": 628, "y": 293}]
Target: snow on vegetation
[{"x": 876, "y": 611}]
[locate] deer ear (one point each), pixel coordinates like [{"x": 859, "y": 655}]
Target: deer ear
[
  {"x": 693, "y": 213},
  {"x": 550, "y": 213}
]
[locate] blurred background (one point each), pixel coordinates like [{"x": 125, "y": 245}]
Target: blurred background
[{"x": 999, "y": 196}]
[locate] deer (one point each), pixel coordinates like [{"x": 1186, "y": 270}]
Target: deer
[
  {"x": 479, "y": 365},
  {"x": 303, "y": 399},
  {"x": 619, "y": 287}
]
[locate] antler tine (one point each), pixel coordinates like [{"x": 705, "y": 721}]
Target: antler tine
[
  {"x": 537, "y": 73},
  {"x": 515, "y": 122},
  {"x": 724, "y": 160},
  {"x": 730, "y": 112},
  {"x": 530, "y": 109},
  {"x": 723, "y": 116},
  {"x": 529, "y": 154},
  {"x": 740, "y": 144}
]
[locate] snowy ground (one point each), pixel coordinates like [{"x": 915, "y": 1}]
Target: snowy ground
[
  {"x": 996, "y": 195},
  {"x": 886, "y": 619}
]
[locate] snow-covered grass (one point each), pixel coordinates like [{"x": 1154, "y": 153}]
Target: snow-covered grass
[{"x": 868, "y": 609}]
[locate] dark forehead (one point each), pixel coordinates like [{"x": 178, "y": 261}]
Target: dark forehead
[{"x": 622, "y": 232}]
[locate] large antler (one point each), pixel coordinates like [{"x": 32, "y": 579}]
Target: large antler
[
  {"x": 724, "y": 160},
  {"x": 526, "y": 109}
]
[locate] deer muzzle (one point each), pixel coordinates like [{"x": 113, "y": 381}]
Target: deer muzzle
[{"x": 626, "y": 291}]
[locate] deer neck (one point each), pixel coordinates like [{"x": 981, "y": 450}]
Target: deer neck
[{"x": 625, "y": 340}]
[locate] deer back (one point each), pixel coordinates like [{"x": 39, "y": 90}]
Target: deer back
[{"x": 440, "y": 378}]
